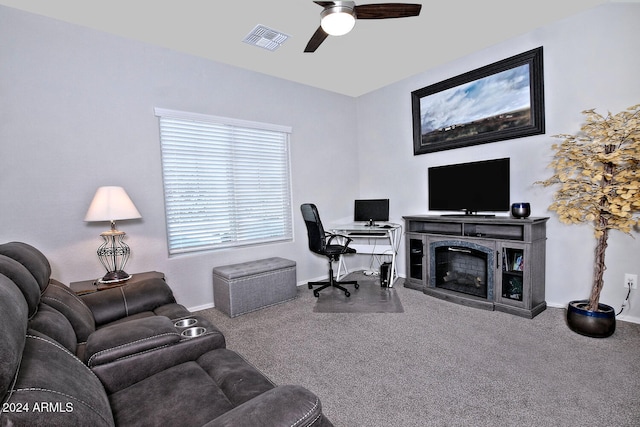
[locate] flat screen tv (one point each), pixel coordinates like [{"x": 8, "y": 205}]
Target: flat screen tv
[
  {"x": 371, "y": 210},
  {"x": 470, "y": 187}
]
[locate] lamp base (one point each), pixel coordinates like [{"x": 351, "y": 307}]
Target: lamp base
[{"x": 115, "y": 277}]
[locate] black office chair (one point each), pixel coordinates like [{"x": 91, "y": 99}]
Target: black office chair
[{"x": 320, "y": 243}]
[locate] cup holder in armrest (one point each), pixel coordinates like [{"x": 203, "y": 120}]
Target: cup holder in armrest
[
  {"x": 193, "y": 332},
  {"x": 184, "y": 323},
  {"x": 193, "y": 327}
]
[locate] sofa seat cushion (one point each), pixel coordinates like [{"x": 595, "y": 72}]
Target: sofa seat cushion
[
  {"x": 182, "y": 395},
  {"x": 198, "y": 391},
  {"x": 285, "y": 405},
  {"x": 239, "y": 380}
]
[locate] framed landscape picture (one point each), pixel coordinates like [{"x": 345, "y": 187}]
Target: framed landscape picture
[{"x": 503, "y": 100}]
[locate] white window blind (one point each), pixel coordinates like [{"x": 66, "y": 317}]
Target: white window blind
[{"x": 226, "y": 181}]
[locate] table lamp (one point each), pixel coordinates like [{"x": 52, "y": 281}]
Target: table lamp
[{"x": 112, "y": 204}]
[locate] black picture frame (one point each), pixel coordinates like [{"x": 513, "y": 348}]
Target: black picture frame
[{"x": 492, "y": 103}]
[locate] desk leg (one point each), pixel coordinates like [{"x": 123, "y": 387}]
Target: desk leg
[
  {"x": 394, "y": 245},
  {"x": 393, "y": 275},
  {"x": 341, "y": 264}
]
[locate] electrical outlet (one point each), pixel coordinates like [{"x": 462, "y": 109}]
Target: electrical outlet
[{"x": 631, "y": 280}]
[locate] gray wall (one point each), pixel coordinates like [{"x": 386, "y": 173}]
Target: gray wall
[
  {"x": 76, "y": 110},
  {"x": 590, "y": 61}
]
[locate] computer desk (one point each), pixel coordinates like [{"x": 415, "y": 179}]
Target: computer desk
[{"x": 376, "y": 240}]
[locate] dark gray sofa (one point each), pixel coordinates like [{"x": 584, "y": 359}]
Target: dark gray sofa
[{"x": 62, "y": 364}]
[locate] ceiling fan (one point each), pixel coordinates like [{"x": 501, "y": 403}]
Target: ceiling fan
[{"x": 339, "y": 17}]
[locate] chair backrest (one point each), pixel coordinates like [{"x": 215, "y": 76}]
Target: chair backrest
[{"x": 315, "y": 230}]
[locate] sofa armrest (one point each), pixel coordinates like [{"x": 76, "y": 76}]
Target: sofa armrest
[
  {"x": 287, "y": 405},
  {"x": 113, "y": 304},
  {"x": 122, "y": 372},
  {"x": 116, "y": 342}
]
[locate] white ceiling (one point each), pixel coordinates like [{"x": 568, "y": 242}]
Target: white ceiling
[{"x": 376, "y": 53}]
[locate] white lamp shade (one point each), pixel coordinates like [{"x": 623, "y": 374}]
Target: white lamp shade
[
  {"x": 111, "y": 204},
  {"x": 338, "y": 20}
]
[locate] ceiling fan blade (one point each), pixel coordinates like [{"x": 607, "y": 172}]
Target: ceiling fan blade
[
  {"x": 316, "y": 40},
  {"x": 387, "y": 10},
  {"x": 324, "y": 3}
]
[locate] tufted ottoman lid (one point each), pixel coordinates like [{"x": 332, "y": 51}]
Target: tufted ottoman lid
[{"x": 251, "y": 268}]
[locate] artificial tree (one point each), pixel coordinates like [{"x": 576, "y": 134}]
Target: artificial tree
[{"x": 597, "y": 171}]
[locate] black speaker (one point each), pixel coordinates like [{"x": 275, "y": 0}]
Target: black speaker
[{"x": 385, "y": 274}]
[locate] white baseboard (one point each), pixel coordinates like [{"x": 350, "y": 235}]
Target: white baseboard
[
  {"x": 554, "y": 305},
  {"x": 630, "y": 319},
  {"x": 201, "y": 307}
]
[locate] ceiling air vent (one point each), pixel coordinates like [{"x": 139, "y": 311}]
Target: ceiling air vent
[{"x": 265, "y": 37}]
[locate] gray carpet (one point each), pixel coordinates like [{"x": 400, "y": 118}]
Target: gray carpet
[
  {"x": 370, "y": 297},
  {"x": 443, "y": 364}
]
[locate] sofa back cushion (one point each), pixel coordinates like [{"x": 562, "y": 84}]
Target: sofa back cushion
[
  {"x": 114, "y": 304},
  {"x": 24, "y": 280},
  {"x": 64, "y": 300},
  {"x": 54, "y": 324},
  {"x": 57, "y": 388},
  {"x": 33, "y": 260},
  {"x": 13, "y": 316}
]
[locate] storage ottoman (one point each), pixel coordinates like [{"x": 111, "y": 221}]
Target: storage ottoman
[{"x": 249, "y": 286}]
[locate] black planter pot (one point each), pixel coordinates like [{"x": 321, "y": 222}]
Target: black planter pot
[{"x": 594, "y": 324}]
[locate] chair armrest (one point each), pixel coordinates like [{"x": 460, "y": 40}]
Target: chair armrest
[
  {"x": 287, "y": 405},
  {"x": 118, "y": 341},
  {"x": 116, "y": 303},
  {"x": 333, "y": 236}
]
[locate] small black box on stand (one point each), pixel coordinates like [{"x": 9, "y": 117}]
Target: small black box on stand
[{"x": 385, "y": 274}]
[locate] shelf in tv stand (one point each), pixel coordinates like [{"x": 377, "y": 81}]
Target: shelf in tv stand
[{"x": 470, "y": 226}]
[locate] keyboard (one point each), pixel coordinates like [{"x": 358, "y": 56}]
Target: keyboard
[{"x": 367, "y": 233}]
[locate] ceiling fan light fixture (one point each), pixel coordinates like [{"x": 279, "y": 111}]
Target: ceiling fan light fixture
[{"x": 337, "y": 20}]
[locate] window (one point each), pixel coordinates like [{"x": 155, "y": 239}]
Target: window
[{"x": 226, "y": 181}]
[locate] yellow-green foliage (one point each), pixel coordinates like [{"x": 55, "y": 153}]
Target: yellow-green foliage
[{"x": 597, "y": 171}]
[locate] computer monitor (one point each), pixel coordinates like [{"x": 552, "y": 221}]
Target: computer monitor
[{"x": 371, "y": 210}]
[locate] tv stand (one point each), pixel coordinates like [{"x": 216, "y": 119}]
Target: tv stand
[
  {"x": 468, "y": 215},
  {"x": 515, "y": 259}
]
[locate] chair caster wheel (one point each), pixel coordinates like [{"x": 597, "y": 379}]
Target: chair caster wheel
[
  {"x": 316, "y": 294},
  {"x": 356, "y": 286},
  {"x": 347, "y": 294}
]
